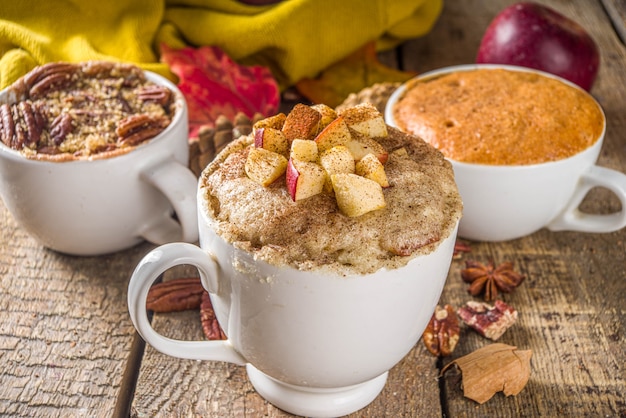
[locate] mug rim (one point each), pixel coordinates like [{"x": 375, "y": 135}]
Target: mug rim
[
  {"x": 179, "y": 117},
  {"x": 439, "y": 72}
]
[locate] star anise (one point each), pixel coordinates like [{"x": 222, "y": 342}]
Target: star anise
[{"x": 488, "y": 279}]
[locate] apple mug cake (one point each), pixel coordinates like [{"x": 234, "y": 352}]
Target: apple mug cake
[
  {"x": 340, "y": 191},
  {"x": 499, "y": 116},
  {"x": 96, "y": 109}
]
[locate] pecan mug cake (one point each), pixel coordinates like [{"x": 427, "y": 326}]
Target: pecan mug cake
[
  {"x": 95, "y": 109},
  {"x": 67, "y": 173}
]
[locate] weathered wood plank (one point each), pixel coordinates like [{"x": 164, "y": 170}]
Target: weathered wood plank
[
  {"x": 616, "y": 10},
  {"x": 65, "y": 330}
]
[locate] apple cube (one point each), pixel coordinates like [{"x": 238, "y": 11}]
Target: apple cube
[
  {"x": 400, "y": 152},
  {"x": 302, "y": 122},
  {"x": 304, "y": 150},
  {"x": 328, "y": 114},
  {"x": 336, "y": 133},
  {"x": 304, "y": 179},
  {"x": 271, "y": 139},
  {"x": 274, "y": 122},
  {"x": 356, "y": 195},
  {"x": 365, "y": 119},
  {"x": 371, "y": 168},
  {"x": 337, "y": 160},
  {"x": 360, "y": 146},
  {"x": 263, "y": 166}
]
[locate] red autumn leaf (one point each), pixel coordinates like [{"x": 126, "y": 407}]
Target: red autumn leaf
[{"x": 213, "y": 85}]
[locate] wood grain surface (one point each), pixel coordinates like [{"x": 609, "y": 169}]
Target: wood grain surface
[{"x": 68, "y": 347}]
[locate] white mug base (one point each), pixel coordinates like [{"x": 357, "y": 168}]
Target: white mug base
[{"x": 315, "y": 402}]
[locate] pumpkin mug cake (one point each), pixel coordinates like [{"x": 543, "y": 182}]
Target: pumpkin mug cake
[
  {"x": 523, "y": 144},
  {"x": 499, "y": 116}
]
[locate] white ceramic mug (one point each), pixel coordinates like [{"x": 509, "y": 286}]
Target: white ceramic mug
[
  {"x": 104, "y": 205},
  {"x": 506, "y": 202},
  {"x": 314, "y": 344}
]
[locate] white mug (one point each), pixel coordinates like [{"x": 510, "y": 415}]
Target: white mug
[
  {"x": 313, "y": 343},
  {"x": 93, "y": 207},
  {"x": 507, "y": 202}
]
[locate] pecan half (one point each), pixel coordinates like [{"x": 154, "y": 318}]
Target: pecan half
[
  {"x": 137, "y": 128},
  {"x": 442, "y": 332},
  {"x": 489, "y": 321},
  {"x": 210, "y": 326},
  {"x": 22, "y": 124},
  {"x": 45, "y": 77},
  {"x": 32, "y": 122},
  {"x": 61, "y": 126},
  {"x": 8, "y": 125},
  {"x": 175, "y": 295},
  {"x": 155, "y": 93}
]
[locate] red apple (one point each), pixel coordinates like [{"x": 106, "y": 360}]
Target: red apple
[
  {"x": 304, "y": 179},
  {"x": 535, "y": 36}
]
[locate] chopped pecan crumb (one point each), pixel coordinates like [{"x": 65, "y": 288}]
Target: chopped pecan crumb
[
  {"x": 488, "y": 279},
  {"x": 442, "y": 332},
  {"x": 460, "y": 247},
  {"x": 489, "y": 321}
]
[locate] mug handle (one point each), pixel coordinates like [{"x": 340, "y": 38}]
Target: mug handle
[
  {"x": 147, "y": 271},
  {"x": 572, "y": 219},
  {"x": 179, "y": 185}
]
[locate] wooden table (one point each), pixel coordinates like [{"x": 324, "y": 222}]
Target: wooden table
[{"x": 68, "y": 348}]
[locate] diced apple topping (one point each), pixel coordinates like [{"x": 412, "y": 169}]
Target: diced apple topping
[
  {"x": 357, "y": 195},
  {"x": 400, "y": 152},
  {"x": 271, "y": 139},
  {"x": 365, "y": 119},
  {"x": 304, "y": 150},
  {"x": 371, "y": 168},
  {"x": 328, "y": 114},
  {"x": 360, "y": 146},
  {"x": 264, "y": 166},
  {"x": 274, "y": 122},
  {"x": 304, "y": 179},
  {"x": 336, "y": 133},
  {"x": 302, "y": 122},
  {"x": 337, "y": 160},
  {"x": 342, "y": 159}
]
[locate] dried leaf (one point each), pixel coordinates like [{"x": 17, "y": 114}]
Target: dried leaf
[
  {"x": 359, "y": 70},
  {"x": 493, "y": 368},
  {"x": 213, "y": 85}
]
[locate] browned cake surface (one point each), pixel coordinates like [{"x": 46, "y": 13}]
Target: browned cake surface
[
  {"x": 500, "y": 117},
  {"x": 93, "y": 109},
  {"x": 423, "y": 206}
]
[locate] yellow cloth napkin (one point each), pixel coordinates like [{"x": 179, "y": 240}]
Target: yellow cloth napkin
[{"x": 294, "y": 38}]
